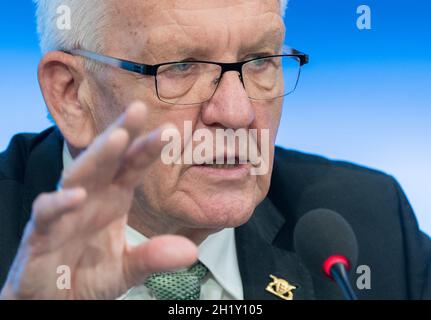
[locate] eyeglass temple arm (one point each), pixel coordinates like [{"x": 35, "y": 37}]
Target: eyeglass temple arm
[
  {"x": 303, "y": 58},
  {"x": 114, "y": 62}
]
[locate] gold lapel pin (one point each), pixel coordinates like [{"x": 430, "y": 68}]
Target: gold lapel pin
[{"x": 281, "y": 288}]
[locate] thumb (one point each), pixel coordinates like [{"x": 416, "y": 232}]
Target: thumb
[{"x": 160, "y": 254}]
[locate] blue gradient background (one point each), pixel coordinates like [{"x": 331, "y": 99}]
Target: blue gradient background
[{"x": 365, "y": 97}]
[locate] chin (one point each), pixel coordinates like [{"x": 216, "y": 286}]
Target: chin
[{"x": 222, "y": 210}]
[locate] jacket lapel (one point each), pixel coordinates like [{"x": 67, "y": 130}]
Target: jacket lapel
[{"x": 258, "y": 257}]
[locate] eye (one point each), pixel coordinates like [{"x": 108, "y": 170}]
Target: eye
[
  {"x": 180, "y": 67},
  {"x": 259, "y": 63}
]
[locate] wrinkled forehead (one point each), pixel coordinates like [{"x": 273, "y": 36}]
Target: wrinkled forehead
[{"x": 169, "y": 29}]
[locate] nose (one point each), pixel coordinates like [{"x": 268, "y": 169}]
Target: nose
[{"x": 230, "y": 107}]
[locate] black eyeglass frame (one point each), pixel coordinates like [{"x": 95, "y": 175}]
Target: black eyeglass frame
[{"x": 151, "y": 70}]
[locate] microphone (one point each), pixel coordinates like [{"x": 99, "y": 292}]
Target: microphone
[{"x": 327, "y": 245}]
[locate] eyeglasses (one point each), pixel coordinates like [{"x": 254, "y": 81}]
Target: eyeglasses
[{"x": 195, "y": 82}]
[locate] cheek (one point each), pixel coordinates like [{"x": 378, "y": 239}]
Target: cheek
[
  {"x": 109, "y": 99},
  {"x": 158, "y": 183},
  {"x": 268, "y": 115},
  {"x": 113, "y": 92},
  {"x": 161, "y": 180}
]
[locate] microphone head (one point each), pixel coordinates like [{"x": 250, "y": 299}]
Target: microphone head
[{"x": 322, "y": 238}]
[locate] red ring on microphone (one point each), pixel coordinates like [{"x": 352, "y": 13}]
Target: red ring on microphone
[{"x": 334, "y": 259}]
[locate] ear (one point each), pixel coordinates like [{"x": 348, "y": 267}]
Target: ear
[{"x": 62, "y": 78}]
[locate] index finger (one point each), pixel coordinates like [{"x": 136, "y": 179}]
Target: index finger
[{"x": 99, "y": 163}]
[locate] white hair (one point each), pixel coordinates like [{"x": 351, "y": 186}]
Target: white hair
[
  {"x": 88, "y": 18},
  {"x": 86, "y": 30},
  {"x": 283, "y": 7}
]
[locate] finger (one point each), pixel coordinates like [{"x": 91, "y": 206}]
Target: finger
[
  {"x": 106, "y": 150},
  {"x": 50, "y": 207},
  {"x": 142, "y": 152},
  {"x": 134, "y": 118},
  {"x": 160, "y": 254},
  {"x": 99, "y": 163}
]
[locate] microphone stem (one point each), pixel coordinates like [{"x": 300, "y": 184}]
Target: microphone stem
[{"x": 338, "y": 272}]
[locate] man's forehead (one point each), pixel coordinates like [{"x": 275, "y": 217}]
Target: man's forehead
[
  {"x": 158, "y": 12},
  {"x": 168, "y": 27}
]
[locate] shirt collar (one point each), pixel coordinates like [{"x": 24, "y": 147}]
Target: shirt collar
[
  {"x": 218, "y": 254},
  {"x": 67, "y": 157}
]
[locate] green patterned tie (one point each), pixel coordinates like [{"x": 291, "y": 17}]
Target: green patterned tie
[{"x": 181, "y": 285}]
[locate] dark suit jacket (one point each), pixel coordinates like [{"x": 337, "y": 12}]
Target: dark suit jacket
[{"x": 389, "y": 240}]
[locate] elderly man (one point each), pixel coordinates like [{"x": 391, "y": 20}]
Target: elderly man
[{"x": 89, "y": 209}]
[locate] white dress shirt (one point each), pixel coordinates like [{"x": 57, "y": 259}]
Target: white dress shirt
[{"x": 217, "y": 253}]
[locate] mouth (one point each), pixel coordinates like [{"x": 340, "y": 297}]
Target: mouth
[
  {"x": 225, "y": 166},
  {"x": 221, "y": 166},
  {"x": 226, "y": 171}
]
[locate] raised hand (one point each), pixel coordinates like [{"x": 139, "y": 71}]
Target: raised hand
[{"x": 82, "y": 226}]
